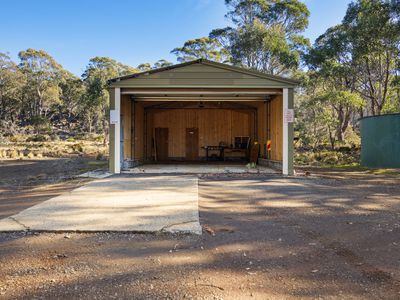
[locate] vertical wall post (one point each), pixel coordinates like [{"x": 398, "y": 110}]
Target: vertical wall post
[
  {"x": 133, "y": 130},
  {"x": 288, "y": 116},
  {"x": 115, "y": 131}
]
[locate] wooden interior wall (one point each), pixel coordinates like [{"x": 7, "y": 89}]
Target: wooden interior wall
[
  {"x": 276, "y": 127},
  {"x": 138, "y": 132},
  {"x": 149, "y": 136},
  {"x": 215, "y": 126},
  {"x": 126, "y": 124},
  {"x": 261, "y": 126}
]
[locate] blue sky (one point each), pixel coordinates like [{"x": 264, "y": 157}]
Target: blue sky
[{"x": 130, "y": 31}]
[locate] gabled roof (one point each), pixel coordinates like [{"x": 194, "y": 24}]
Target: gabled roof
[{"x": 202, "y": 61}]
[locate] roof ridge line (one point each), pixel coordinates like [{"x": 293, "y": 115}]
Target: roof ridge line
[{"x": 210, "y": 63}]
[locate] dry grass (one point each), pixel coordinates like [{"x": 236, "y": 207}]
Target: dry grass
[{"x": 27, "y": 147}]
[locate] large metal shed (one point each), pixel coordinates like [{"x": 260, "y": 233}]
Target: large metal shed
[{"x": 178, "y": 112}]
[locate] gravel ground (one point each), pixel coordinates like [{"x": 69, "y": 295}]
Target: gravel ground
[
  {"x": 264, "y": 237},
  {"x": 24, "y": 183}
]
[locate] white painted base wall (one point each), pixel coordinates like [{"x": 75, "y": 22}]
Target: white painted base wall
[
  {"x": 285, "y": 143},
  {"x": 117, "y": 132}
]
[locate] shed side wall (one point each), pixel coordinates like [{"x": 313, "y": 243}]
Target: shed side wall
[
  {"x": 276, "y": 128},
  {"x": 126, "y": 107}
]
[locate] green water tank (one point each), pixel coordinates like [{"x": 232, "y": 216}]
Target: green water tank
[{"x": 380, "y": 141}]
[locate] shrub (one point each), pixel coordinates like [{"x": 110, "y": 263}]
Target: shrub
[
  {"x": 251, "y": 165},
  {"x": 54, "y": 137},
  {"x": 38, "y": 138},
  {"x": 303, "y": 158},
  {"x": 13, "y": 139},
  {"x": 81, "y": 136},
  {"x": 99, "y": 138},
  {"x": 324, "y": 156},
  {"x": 41, "y": 124},
  {"x": 331, "y": 159},
  {"x": 77, "y": 147},
  {"x": 13, "y": 153}
]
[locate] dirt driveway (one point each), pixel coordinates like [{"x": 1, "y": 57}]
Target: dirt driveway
[
  {"x": 24, "y": 183},
  {"x": 264, "y": 238}
]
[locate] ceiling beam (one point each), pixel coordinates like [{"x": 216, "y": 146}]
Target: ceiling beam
[
  {"x": 210, "y": 91},
  {"x": 197, "y": 99}
]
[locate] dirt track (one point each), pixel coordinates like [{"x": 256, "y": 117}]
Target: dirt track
[
  {"x": 264, "y": 238},
  {"x": 24, "y": 183}
]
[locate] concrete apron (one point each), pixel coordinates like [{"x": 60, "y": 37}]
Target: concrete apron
[
  {"x": 199, "y": 169},
  {"x": 118, "y": 203}
]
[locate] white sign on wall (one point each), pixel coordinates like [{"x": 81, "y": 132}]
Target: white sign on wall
[
  {"x": 288, "y": 115},
  {"x": 114, "y": 118}
]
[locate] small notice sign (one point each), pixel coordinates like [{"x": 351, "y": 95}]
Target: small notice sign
[
  {"x": 114, "y": 117},
  {"x": 288, "y": 115}
]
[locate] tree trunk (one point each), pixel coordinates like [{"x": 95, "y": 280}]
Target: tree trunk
[
  {"x": 105, "y": 132},
  {"x": 339, "y": 127},
  {"x": 331, "y": 138}
]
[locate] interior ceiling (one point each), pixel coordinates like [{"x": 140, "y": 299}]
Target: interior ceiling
[
  {"x": 201, "y": 94},
  {"x": 199, "y": 104},
  {"x": 198, "y": 99}
]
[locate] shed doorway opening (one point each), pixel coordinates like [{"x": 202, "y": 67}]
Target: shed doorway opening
[{"x": 196, "y": 131}]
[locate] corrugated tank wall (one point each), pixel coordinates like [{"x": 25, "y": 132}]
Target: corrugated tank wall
[{"x": 380, "y": 141}]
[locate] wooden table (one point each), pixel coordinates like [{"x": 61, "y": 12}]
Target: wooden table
[
  {"x": 220, "y": 149},
  {"x": 233, "y": 150}
]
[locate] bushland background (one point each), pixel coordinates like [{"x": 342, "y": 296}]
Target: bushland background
[{"x": 351, "y": 71}]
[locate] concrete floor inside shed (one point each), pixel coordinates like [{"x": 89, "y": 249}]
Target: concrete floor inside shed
[{"x": 199, "y": 168}]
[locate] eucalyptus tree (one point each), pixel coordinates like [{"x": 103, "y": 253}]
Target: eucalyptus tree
[
  {"x": 333, "y": 79},
  {"x": 162, "y": 63},
  {"x": 41, "y": 90},
  {"x": 205, "y": 47},
  {"x": 395, "y": 11},
  {"x": 362, "y": 54},
  {"x": 11, "y": 82},
  {"x": 72, "y": 96},
  {"x": 266, "y": 35},
  {"x": 96, "y": 100},
  {"x": 373, "y": 32},
  {"x": 144, "y": 67},
  {"x": 325, "y": 110}
]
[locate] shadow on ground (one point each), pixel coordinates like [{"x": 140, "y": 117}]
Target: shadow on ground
[
  {"x": 264, "y": 237},
  {"x": 25, "y": 183}
]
